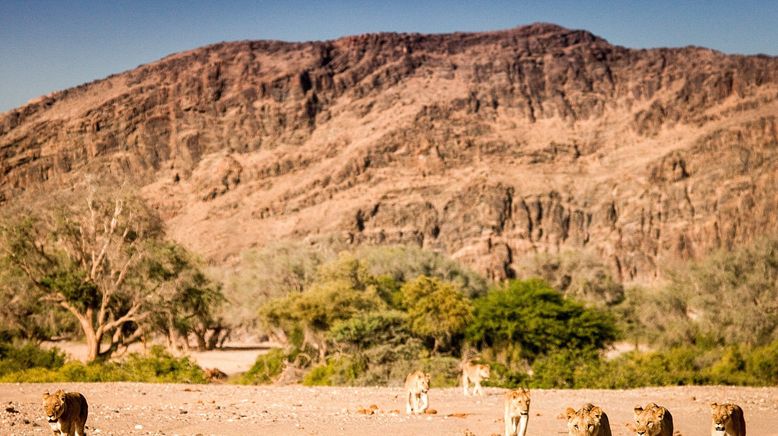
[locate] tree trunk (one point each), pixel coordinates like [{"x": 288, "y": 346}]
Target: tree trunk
[{"x": 92, "y": 343}]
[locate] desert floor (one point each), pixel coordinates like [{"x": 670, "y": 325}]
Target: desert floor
[{"x": 169, "y": 409}]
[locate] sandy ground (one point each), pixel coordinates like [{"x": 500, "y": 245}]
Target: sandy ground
[{"x": 137, "y": 408}]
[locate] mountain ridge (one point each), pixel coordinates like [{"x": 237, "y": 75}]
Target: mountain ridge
[{"x": 488, "y": 146}]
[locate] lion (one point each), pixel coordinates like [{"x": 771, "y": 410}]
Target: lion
[
  {"x": 474, "y": 372},
  {"x": 66, "y": 412},
  {"x": 417, "y": 384},
  {"x": 516, "y": 412},
  {"x": 653, "y": 420},
  {"x": 590, "y": 420},
  {"x": 215, "y": 375},
  {"x": 727, "y": 420}
]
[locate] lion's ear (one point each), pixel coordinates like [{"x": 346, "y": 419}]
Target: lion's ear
[
  {"x": 637, "y": 410},
  {"x": 714, "y": 406},
  {"x": 46, "y": 395},
  {"x": 660, "y": 413},
  {"x": 60, "y": 393},
  {"x": 597, "y": 412},
  {"x": 569, "y": 412}
]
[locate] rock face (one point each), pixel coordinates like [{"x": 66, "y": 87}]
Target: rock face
[{"x": 487, "y": 146}]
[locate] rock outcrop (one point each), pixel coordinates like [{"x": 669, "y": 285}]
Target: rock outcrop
[{"x": 488, "y": 146}]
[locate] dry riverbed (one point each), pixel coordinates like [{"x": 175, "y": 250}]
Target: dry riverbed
[{"x": 169, "y": 409}]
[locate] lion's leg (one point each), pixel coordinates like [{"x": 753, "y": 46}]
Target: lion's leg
[
  {"x": 521, "y": 425},
  {"x": 478, "y": 388},
  {"x": 464, "y": 382},
  {"x": 508, "y": 421},
  {"x": 408, "y": 407},
  {"x": 425, "y": 402}
]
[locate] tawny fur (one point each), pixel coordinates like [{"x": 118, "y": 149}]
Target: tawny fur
[
  {"x": 475, "y": 373},
  {"x": 417, "y": 386},
  {"x": 727, "y": 420},
  {"x": 516, "y": 412},
  {"x": 589, "y": 420},
  {"x": 653, "y": 420},
  {"x": 66, "y": 412}
]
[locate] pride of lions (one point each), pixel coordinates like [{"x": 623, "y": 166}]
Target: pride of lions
[{"x": 67, "y": 412}]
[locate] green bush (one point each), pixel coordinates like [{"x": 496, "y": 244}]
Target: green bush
[
  {"x": 17, "y": 358},
  {"x": 676, "y": 366},
  {"x": 762, "y": 363},
  {"x": 160, "y": 366},
  {"x": 266, "y": 368},
  {"x": 337, "y": 371},
  {"x": 156, "y": 367},
  {"x": 538, "y": 319},
  {"x": 436, "y": 309}
]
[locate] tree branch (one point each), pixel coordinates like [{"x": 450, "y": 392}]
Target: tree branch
[{"x": 109, "y": 230}]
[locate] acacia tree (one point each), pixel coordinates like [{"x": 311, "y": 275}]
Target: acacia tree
[
  {"x": 185, "y": 298},
  {"x": 343, "y": 289},
  {"x": 83, "y": 250},
  {"x": 24, "y": 316}
]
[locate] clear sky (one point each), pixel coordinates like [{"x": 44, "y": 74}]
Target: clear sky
[{"x": 55, "y": 44}]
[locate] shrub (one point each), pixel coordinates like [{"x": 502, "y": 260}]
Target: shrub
[
  {"x": 266, "y": 368},
  {"x": 403, "y": 263},
  {"x": 156, "y": 367},
  {"x": 336, "y": 371},
  {"x": 436, "y": 309},
  {"x": 727, "y": 298},
  {"x": 160, "y": 366},
  {"x": 762, "y": 363},
  {"x": 17, "y": 358},
  {"x": 273, "y": 271},
  {"x": 538, "y": 319}
]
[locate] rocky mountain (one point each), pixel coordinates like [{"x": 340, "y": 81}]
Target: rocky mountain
[{"x": 487, "y": 146}]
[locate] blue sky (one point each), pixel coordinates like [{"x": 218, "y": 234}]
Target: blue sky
[{"x": 52, "y": 45}]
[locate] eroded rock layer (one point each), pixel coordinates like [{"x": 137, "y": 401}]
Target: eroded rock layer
[{"x": 487, "y": 146}]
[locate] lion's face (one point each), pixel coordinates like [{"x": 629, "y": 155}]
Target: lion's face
[
  {"x": 584, "y": 422},
  {"x": 722, "y": 416},
  {"x": 483, "y": 371},
  {"x": 518, "y": 402},
  {"x": 423, "y": 382},
  {"x": 54, "y": 405},
  {"x": 649, "y": 421}
]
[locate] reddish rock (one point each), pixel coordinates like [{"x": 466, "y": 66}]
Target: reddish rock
[{"x": 488, "y": 146}]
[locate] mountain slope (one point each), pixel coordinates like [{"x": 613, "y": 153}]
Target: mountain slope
[{"x": 488, "y": 146}]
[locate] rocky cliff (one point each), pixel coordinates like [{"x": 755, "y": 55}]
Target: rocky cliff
[{"x": 487, "y": 146}]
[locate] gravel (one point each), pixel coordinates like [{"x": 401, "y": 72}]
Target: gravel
[{"x": 172, "y": 409}]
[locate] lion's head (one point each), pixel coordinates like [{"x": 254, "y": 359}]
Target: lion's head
[
  {"x": 483, "y": 371},
  {"x": 54, "y": 405},
  {"x": 423, "y": 381},
  {"x": 723, "y": 416},
  {"x": 650, "y": 421},
  {"x": 518, "y": 401},
  {"x": 586, "y": 421}
]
